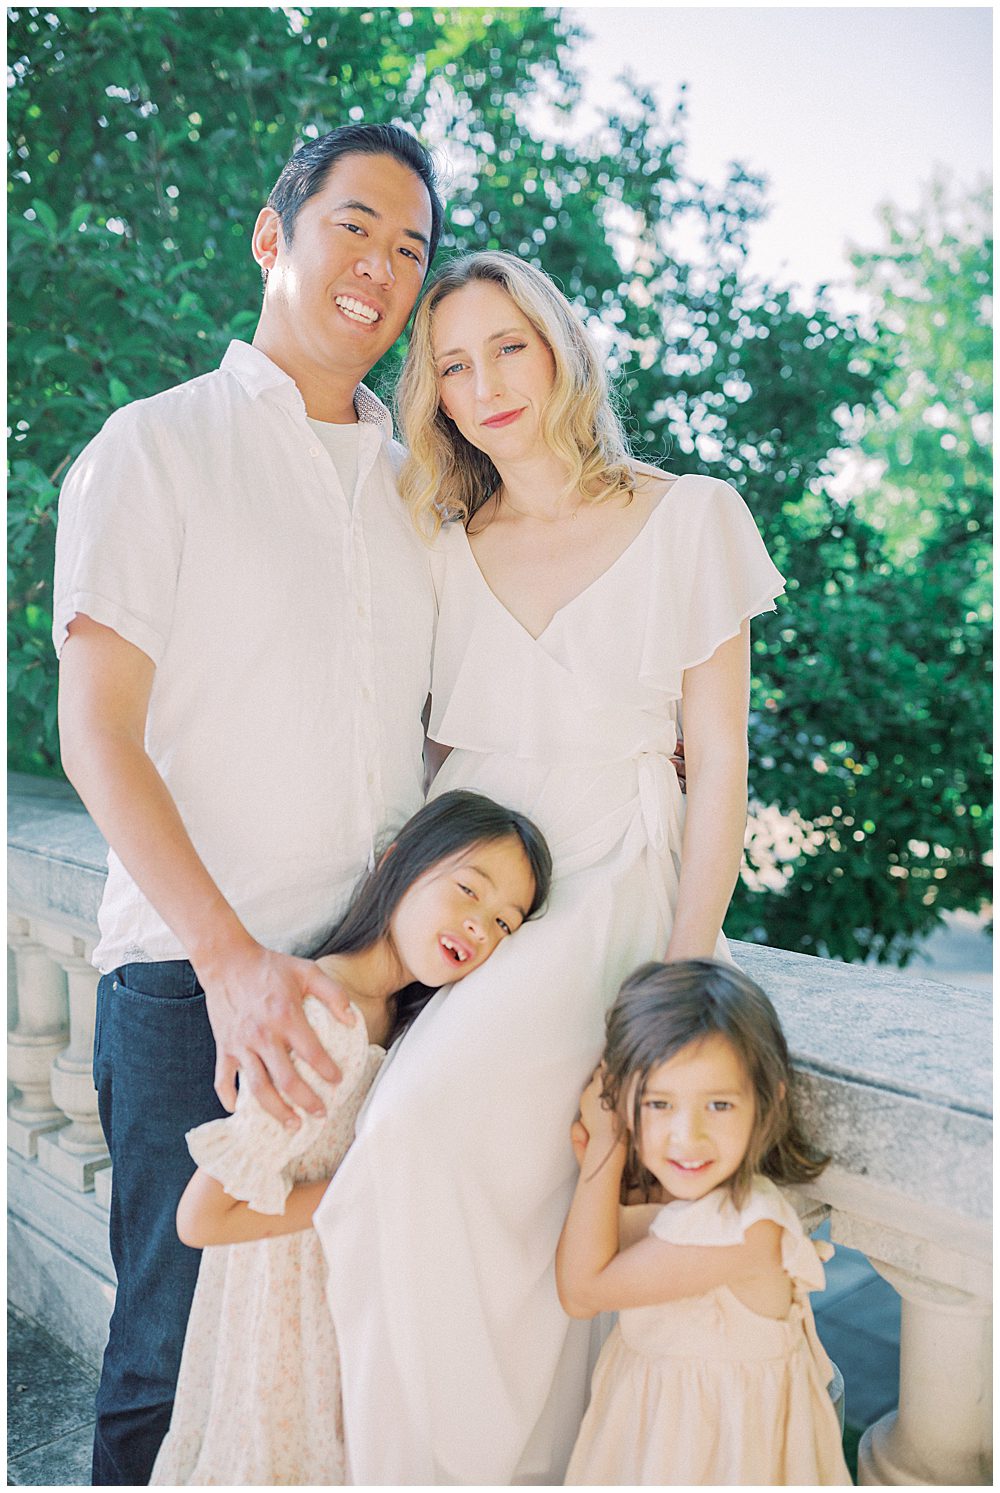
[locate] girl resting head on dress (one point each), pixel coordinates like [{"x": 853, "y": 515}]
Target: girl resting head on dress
[
  {"x": 461, "y": 876},
  {"x": 258, "y": 1399},
  {"x": 715, "y": 1333}
]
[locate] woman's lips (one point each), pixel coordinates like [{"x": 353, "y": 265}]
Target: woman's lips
[{"x": 496, "y": 421}]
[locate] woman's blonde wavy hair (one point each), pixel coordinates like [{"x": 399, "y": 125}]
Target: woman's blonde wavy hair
[{"x": 444, "y": 477}]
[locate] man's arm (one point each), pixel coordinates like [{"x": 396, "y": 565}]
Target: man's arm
[{"x": 253, "y": 994}]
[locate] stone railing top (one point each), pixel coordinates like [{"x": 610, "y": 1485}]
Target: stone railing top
[{"x": 885, "y": 1027}]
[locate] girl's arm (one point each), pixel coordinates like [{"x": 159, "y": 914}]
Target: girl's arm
[
  {"x": 206, "y": 1214},
  {"x": 589, "y": 1238},
  {"x": 715, "y": 703},
  {"x": 652, "y": 1272},
  {"x": 252, "y": 1153},
  {"x": 634, "y": 1219}
]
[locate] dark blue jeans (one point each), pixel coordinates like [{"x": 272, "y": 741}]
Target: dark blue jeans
[{"x": 154, "y": 1066}]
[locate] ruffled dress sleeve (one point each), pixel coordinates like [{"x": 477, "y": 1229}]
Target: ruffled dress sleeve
[
  {"x": 713, "y": 1220},
  {"x": 250, "y": 1152},
  {"x": 713, "y": 574}
]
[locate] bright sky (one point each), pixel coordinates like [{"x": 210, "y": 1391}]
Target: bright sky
[{"x": 841, "y": 108}]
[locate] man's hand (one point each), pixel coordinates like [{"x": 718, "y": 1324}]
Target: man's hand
[{"x": 254, "y": 1002}]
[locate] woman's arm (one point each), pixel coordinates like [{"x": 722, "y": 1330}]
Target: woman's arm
[
  {"x": 206, "y": 1214},
  {"x": 716, "y": 697}
]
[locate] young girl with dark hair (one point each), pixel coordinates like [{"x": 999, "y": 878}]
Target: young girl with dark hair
[
  {"x": 258, "y": 1398},
  {"x": 714, "y": 1373}
]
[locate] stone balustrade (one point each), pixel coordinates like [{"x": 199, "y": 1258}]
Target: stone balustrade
[{"x": 892, "y": 1074}]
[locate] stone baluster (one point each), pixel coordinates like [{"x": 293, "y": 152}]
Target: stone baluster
[
  {"x": 76, "y": 1151},
  {"x": 39, "y": 1034},
  {"x": 941, "y": 1433}
]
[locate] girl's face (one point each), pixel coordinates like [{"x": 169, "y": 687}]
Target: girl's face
[
  {"x": 697, "y": 1117},
  {"x": 452, "y": 918},
  {"x": 494, "y": 371}
]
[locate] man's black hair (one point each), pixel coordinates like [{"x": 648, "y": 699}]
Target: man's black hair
[{"x": 305, "y": 173}]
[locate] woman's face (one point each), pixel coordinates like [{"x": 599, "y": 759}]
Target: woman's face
[
  {"x": 494, "y": 371},
  {"x": 453, "y": 917}
]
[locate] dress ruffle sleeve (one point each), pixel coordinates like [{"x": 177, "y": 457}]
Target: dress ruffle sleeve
[
  {"x": 714, "y": 574},
  {"x": 250, "y": 1152},
  {"x": 714, "y": 1220}
]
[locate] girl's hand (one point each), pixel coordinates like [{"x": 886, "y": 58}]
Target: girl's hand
[
  {"x": 601, "y": 1124},
  {"x": 578, "y": 1139}
]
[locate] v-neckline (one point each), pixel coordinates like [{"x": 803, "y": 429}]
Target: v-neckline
[{"x": 537, "y": 637}]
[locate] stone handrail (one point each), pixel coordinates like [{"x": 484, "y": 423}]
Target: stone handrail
[{"x": 892, "y": 1077}]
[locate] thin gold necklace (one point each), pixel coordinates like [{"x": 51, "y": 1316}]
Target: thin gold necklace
[{"x": 503, "y": 500}]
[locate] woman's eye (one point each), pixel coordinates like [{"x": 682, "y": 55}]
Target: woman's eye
[
  {"x": 504, "y": 927},
  {"x": 513, "y": 347},
  {"x": 656, "y": 1103},
  {"x": 452, "y": 368},
  {"x": 719, "y": 1106},
  {"x": 466, "y": 889},
  {"x": 353, "y": 227}
]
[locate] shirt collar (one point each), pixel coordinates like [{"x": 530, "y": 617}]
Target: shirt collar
[{"x": 259, "y": 375}]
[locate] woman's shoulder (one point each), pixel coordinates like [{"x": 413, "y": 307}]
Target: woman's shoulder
[{"x": 687, "y": 496}]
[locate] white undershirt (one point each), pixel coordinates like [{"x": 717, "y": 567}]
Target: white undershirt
[{"x": 342, "y": 443}]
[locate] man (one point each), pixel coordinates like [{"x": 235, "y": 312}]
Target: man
[{"x": 244, "y": 617}]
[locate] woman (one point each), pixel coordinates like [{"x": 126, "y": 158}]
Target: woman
[{"x": 583, "y": 599}]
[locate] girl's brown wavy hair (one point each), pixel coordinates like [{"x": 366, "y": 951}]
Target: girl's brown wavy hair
[
  {"x": 444, "y": 477},
  {"x": 663, "y": 1008}
]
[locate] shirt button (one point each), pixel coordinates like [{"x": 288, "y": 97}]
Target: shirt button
[
  {"x": 366, "y": 693},
  {"x": 313, "y": 450},
  {"x": 361, "y": 610},
  {"x": 370, "y": 779}
]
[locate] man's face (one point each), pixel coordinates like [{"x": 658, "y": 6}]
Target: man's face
[{"x": 341, "y": 292}]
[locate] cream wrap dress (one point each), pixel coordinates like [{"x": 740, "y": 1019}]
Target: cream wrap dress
[
  {"x": 459, "y": 1365},
  {"x": 704, "y": 1392}
]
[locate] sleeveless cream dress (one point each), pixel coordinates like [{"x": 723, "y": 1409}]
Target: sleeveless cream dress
[
  {"x": 258, "y": 1396},
  {"x": 459, "y": 1365},
  {"x": 704, "y": 1391}
]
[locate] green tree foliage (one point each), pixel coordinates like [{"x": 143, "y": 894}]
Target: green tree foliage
[
  {"x": 144, "y": 142},
  {"x": 878, "y": 704}
]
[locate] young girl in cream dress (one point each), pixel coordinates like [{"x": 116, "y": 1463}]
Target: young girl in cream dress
[
  {"x": 258, "y": 1399},
  {"x": 713, "y": 1374}
]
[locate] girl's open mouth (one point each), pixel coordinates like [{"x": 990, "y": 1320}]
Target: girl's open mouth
[{"x": 454, "y": 950}]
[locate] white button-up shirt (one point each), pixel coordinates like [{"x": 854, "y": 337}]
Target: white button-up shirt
[{"x": 291, "y": 633}]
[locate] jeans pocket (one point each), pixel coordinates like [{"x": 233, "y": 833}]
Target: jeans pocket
[{"x": 170, "y": 981}]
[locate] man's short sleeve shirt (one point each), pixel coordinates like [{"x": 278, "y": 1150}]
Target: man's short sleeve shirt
[{"x": 291, "y": 633}]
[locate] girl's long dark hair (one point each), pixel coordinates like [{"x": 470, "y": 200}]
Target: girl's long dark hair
[
  {"x": 663, "y": 1008},
  {"x": 439, "y": 831}
]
